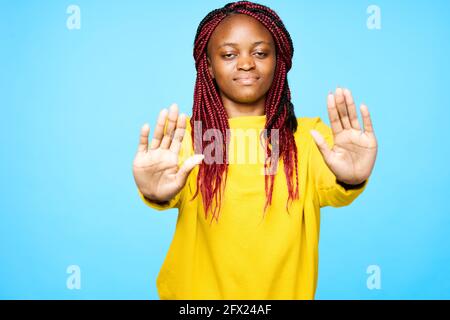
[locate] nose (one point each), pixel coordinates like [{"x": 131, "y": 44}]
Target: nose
[{"x": 245, "y": 62}]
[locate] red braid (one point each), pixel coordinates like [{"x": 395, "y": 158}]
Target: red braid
[{"x": 209, "y": 110}]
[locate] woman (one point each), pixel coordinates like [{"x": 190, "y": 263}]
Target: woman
[{"x": 265, "y": 244}]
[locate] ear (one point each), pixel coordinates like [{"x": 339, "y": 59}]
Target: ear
[{"x": 210, "y": 67}]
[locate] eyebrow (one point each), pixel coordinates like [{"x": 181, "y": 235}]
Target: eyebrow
[{"x": 235, "y": 44}]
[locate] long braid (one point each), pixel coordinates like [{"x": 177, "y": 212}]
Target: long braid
[{"x": 209, "y": 110}]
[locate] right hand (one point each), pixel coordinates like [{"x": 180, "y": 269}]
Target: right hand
[{"x": 155, "y": 167}]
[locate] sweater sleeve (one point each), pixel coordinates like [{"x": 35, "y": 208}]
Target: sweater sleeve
[
  {"x": 329, "y": 191},
  {"x": 173, "y": 203}
]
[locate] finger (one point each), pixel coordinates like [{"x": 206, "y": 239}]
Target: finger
[
  {"x": 143, "y": 140},
  {"x": 175, "y": 146},
  {"x": 335, "y": 122},
  {"x": 342, "y": 109},
  {"x": 170, "y": 130},
  {"x": 321, "y": 144},
  {"x": 367, "y": 121},
  {"x": 159, "y": 130},
  {"x": 351, "y": 109},
  {"x": 187, "y": 167}
]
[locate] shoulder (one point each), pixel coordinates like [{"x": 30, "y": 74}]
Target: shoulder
[{"x": 305, "y": 124}]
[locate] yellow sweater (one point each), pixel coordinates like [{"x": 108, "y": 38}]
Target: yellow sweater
[{"x": 243, "y": 256}]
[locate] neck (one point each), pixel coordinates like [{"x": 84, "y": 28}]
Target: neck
[{"x": 235, "y": 109}]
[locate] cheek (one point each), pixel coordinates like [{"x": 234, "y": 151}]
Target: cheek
[
  {"x": 226, "y": 70},
  {"x": 224, "y": 75},
  {"x": 270, "y": 67},
  {"x": 268, "y": 71}
]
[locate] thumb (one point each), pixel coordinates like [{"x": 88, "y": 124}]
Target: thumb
[
  {"x": 187, "y": 167},
  {"x": 321, "y": 144}
]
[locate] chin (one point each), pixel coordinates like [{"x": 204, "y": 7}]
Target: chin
[{"x": 248, "y": 98}]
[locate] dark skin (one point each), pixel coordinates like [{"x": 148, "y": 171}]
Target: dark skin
[
  {"x": 241, "y": 47},
  {"x": 252, "y": 56}
]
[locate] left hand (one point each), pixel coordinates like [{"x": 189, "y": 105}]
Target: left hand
[{"x": 353, "y": 155}]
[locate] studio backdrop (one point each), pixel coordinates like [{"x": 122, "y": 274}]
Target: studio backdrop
[{"x": 79, "y": 78}]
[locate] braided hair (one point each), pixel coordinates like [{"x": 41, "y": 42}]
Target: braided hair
[{"x": 209, "y": 110}]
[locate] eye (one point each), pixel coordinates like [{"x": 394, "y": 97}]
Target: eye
[
  {"x": 228, "y": 55},
  {"x": 261, "y": 54}
]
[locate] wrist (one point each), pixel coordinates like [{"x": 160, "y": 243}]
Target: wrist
[
  {"x": 350, "y": 186},
  {"x": 150, "y": 197},
  {"x": 159, "y": 202}
]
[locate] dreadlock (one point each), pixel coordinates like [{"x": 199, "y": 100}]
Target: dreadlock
[{"x": 208, "y": 107}]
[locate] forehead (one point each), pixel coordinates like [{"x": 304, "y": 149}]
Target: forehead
[{"x": 240, "y": 29}]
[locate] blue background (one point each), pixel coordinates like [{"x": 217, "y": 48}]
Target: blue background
[{"x": 73, "y": 101}]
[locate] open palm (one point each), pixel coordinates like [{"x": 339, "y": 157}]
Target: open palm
[
  {"x": 156, "y": 167},
  {"x": 353, "y": 154}
]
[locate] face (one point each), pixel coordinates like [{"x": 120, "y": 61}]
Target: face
[{"x": 242, "y": 58}]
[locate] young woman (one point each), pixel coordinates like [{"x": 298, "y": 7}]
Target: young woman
[{"x": 264, "y": 242}]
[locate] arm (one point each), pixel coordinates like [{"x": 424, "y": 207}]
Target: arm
[
  {"x": 161, "y": 169},
  {"x": 344, "y": 155}
]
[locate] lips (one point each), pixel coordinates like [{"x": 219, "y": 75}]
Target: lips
[{"x": 246, "y": 80}]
